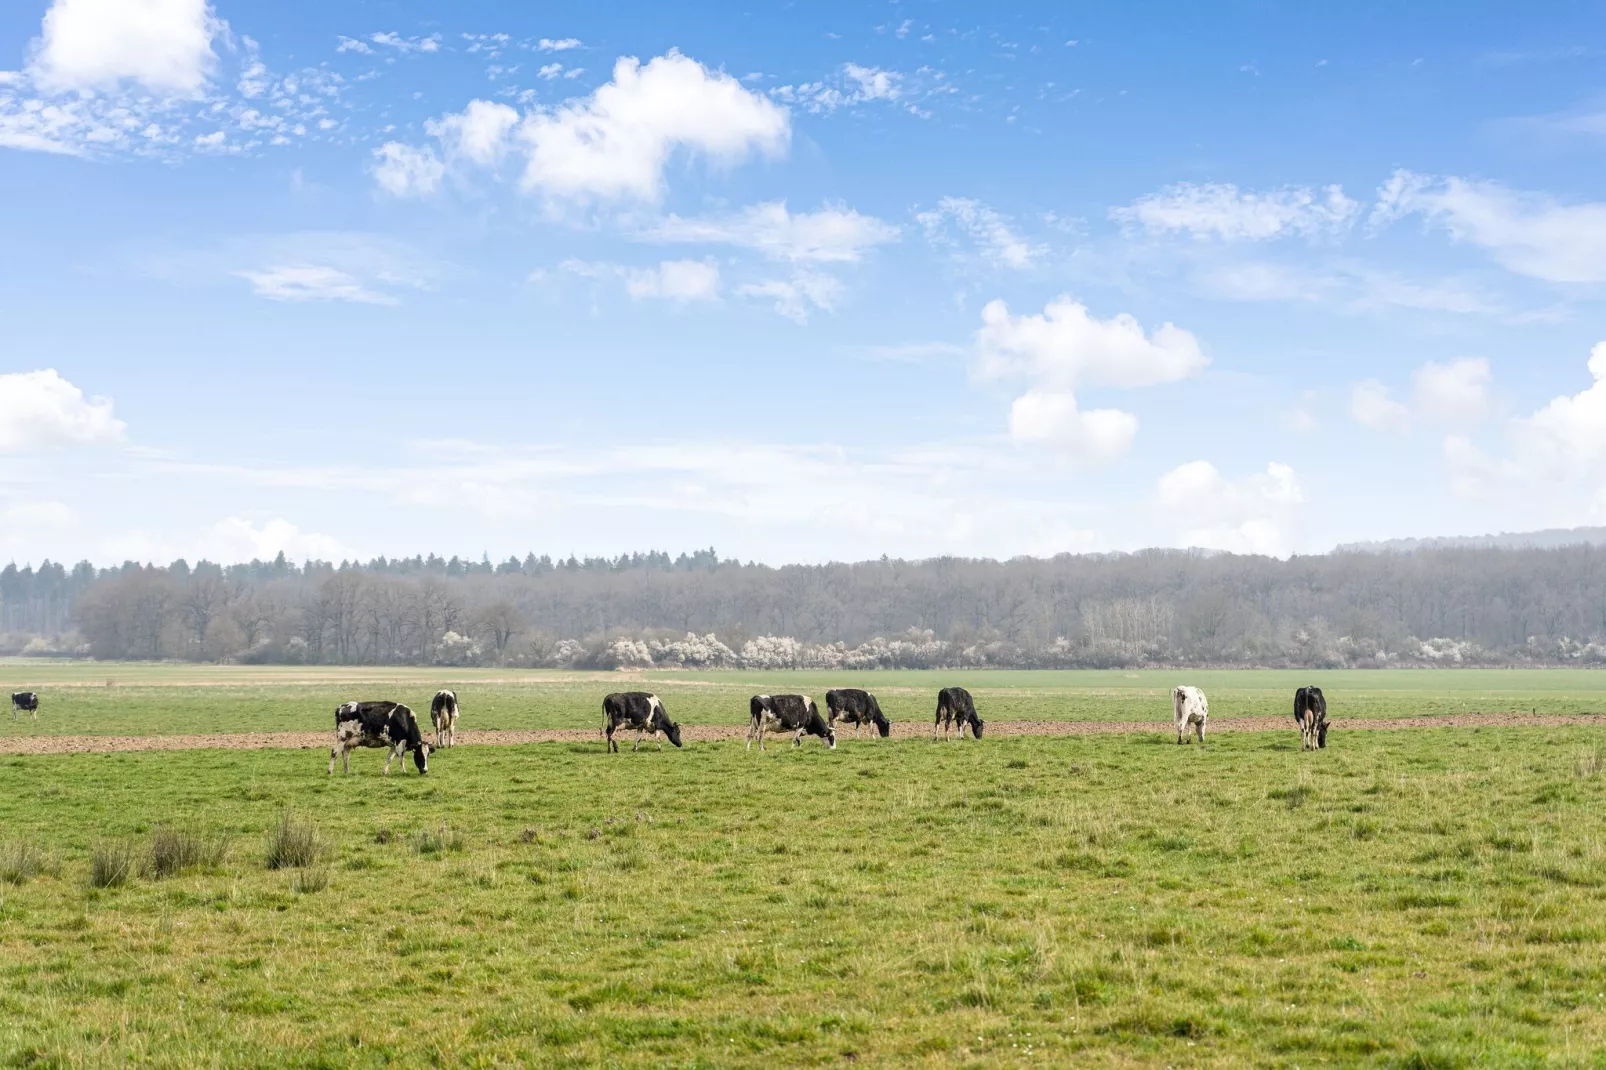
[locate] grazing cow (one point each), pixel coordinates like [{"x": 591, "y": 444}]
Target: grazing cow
[
  {"x": 443, "y": 715},
  {"x": 1310, "y": 713},
  {"x": 857, "y": 708},
  {"x": 1189, "y": 704},
  {"x": 791, "y": 713},
  {"x": 25, "y": 700},
  {"x": 955, "y": 707},
  {"x": 378, "y": 724},
  {"x": 641, "y": 711}
]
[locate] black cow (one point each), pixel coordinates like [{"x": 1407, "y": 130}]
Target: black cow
[
  {"x": 378, "y": 724},
  {"x": 791, "y": 713},
  {"x": 641, "y": 711},
  {"x": 443, "y": 715},
  {"x": 1310, "y": 713},
  {"x": 955, "y": 707},
  {"x": 856, "y": 708},
  {"x": 25, "y": 700}
]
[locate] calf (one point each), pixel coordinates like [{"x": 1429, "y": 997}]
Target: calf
[
  {"x": 443, "y": 715},
  {"x": 1310, "y": 713},
  {"x": 641, "y": 711},
  {"x": 955, "y": 707},
  {"x": 378, "y": 724},
  {"x": 791, "y": 713},
  {"x": 25, "y": 700},
  {"x": 1191, "y": 709},
  {"x": 857, "y": 708}
]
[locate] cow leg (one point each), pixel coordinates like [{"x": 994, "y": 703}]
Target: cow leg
[
  {"x": 1198, "y": 726},
  {"x": 659, "y": 736},
  {"x": 333, "y": 751},
  {"x": 761, "y": 726},
  {"x": 797, "y": 740},
  {"x": 390, "y": 756},
  {"x": 608, "y": 743},
  {"x": 637, "y": 745}
]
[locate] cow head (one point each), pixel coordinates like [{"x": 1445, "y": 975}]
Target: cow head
[
  {"x": 1321, "y": 734},
  {"x": 421, "y": 756},
  {"x": 672, "y": 731},
  {"x": 884, "y": 726},
  {"x": 976, "y": 724},
  {"x": 830, "y": 737}
]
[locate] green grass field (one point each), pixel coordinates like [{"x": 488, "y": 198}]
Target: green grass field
[
  {"x": 121, "y": 699},
  {"x": 1416, "y": 898}
]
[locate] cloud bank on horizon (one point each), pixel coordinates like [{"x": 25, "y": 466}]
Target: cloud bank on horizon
[{"x": 824, "y": 286}]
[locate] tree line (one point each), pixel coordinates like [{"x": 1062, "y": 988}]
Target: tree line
[{"x": 1436, "y": 605}]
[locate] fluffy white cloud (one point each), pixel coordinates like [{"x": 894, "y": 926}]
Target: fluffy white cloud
[
  {"x": 477, "y": 134},
  {"x": 1065, "y": 347},
  {"x": 1371, "y": 405},
  {"x": 1529, "y": 233},
  {"x": 432, "y": 43},
  {"x": 1052, "y": 418},
  {"x": 233, "y": 540},
  {"x": 1223, "y": 212},
  {"x": 404, "y": 171},
  {"x": 1455, "y": 393},
  {"x": 312, "y": 282},
  {"x": 985, "y": 227},
  {"x": 851, "y": 84},
  {"x": 563, "y": 44},
  {"x": 681, "y": 281},
  {"x": 616, "y": 142},
  {"x": 40, "y": 409},
  {"x": 831, "y": 234},
  {"x": 1568, "y": 436},
  {"x": 795, "y": 297},
  {"x": 1258, "y": 514},
  {"x": 163, "y": 45}
]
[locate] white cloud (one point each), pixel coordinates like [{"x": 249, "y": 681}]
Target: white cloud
[
  {"x": 796, "y": 297},
  {"x": 989, "y": 230},
  {"x": 547, "y": 44},
  {"x": 1223, "y": 212},
  {"x": 1258, "y": 514},
  {"x": 616, "y": 142},
  {"x": 1052, "y": 418},
  {"x": 851, "y": 85},
  {"x": 234, "y": 540},
  {"x": 40, "y": 409},
  {"x": 1065, "y": 347},
  {"x": 1455, "y": 393},
  {"x": 1371, "y": 405},
  {"x": 477, "y": 134},
  {"x": 404, "y": 171},
  {"x": 312, "y": 282},
  {"x": 873, "y": 82},
  {"x": 1529, "y": 233},
  {"x": 680, "y": 281},
  {"x": 1568, "y": 436},
  {"x": 550, "y": 71},
  {"x": 833, "y": 234},
  {"x": 163, "y": 45},
  {"x": 432, "y": 43},
  {"x": 351, "y": 44}
]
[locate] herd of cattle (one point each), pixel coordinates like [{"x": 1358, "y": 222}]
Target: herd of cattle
[{"x": 395, "y": 727}]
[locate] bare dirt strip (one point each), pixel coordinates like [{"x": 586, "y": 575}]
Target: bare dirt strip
[{"x": 712, "y": 733}]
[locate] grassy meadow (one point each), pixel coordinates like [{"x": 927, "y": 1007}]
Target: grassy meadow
[{"x": 1424, "y": 898}]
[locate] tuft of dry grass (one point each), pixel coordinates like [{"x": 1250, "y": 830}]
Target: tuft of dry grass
[{"x": 295, "y": 843}]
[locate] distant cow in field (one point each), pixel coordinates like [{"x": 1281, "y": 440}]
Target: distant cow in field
[
  {"x": 443, "y": 715},
  {"x": 955, "y": 707},
  {"x": 25, "y": 700},
  {"x": 788, "y": 713},
  {"x": 1310, "y": 713},
  {"x": 640, "y": 711},
  {"x": 1191, "y": 710},
  {"x": 857, "y": 708},
  {"x": 378, "y": 724}
]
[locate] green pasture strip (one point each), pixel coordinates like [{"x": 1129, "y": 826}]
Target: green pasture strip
[
  {"x": 1425, "y": 898},
  {"x": 96, "y": 698}
]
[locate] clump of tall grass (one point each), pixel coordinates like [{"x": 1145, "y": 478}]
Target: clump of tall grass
[
  {"x": 111, "y": 864},
  {"x": 439, "y": 843},
  {"x": 178, "y": 850},
  {"x": 1590, "y": 765},
  {"x": 310, "y": 880},
  {"x": 294, "y": 844},
  {"x": 23, "y": 860}
]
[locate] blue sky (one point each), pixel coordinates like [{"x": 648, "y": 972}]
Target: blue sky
[{"x": 807, "y": 282}]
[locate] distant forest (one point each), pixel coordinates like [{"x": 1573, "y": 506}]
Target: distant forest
[{"x": 1431, "y": 606}]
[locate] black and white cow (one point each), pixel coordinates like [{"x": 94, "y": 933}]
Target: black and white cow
[
  {"x": 956, "y": 708},
  {"x": 443, "y": 715},
  {"x": 1310, "y": 713},
  {"x": 378, "y": 724},
  {"x": 856, "y": 708},
  {"x": 25, "y": 700},
  {"x": 640, "y": 711},
  {"x": 788, "y": 713}
]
